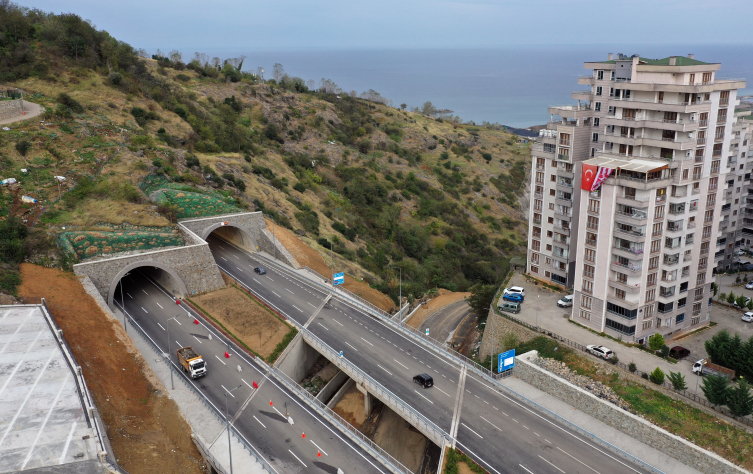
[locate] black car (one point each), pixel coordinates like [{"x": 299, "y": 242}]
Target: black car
[
  {"x": 260, "y": 270},
  {"x": 424, "y": 380}
]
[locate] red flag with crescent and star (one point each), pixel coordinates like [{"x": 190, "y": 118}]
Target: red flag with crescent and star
[{"x": 588, "y": 176}]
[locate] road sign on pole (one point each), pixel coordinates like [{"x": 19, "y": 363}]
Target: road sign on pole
[
  {"x": 339, "y": 278},
  {"x": 506, "y": 360},
  {"x": 341, "y": 354},
  {"x": 427, "y": 331}
]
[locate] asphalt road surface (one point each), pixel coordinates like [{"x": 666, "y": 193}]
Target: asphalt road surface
[
  {"x": 263, "y": 425},
  {"x": 443, "y": 322},
  {"x": 498, "y": 432}
]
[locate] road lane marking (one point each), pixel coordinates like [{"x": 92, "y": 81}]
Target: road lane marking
[
  {"x": 594, "y": 470},
  {"x": 486, "y": 402},
  {"x": 197, "y": 339},
  {"x": 525, "y": 467},
  {"x": 159, "y": 305},
  {"x": 129, "y": 295},
  {"x": 257, "y": 281},
  {"x": 471, "y": 430},
  {"x": 400, "y": 364},
  {"x": 176, "y": 320},
  {"x": 547, "y": 441},
  {"x": 220, "y": 246},
  {"x": 495, "y": 408},
  {"x": 367, "y": 342},
  {"x": 524, "y": 426},
  {"x": 224, "y": 258},
  {"x": 317, "y": 447},
  {"x": 477, "y": 396},
  {"x": 259, "y": 421},
  {"x": 338, "y": 322},
  {"x": 537, "y": 434},
  {"x": 249, "y": 386},
  {"x": 442, "y": 391},
  {"x": 443, "y": 375},
  {"x": 299, "y": 459},
  {"x": 513, "y": 419},
  {"x": 352, "y": 347},
  {"x": 179, "y": 344},
  {"x": 237, "y": 257},
  {"x": 299, "y": 309},
  {"x": 145, "y": 292},
  {"x": 147, "y": 312},
  {"x": 311, "y": 304},
  {"x": 158, "y": 324},
  {"x": 490, "y": 422},
  {"x": 424, "y": 397},
  {"x": 228, "y": 391},
  {"x": 560, "y": 470},
  {"x": 289, "y": 291},
  {"x": 239, "y": 269},
  {"x": 384, "y": 369},
  {"x": 276, "y": 294},
  {"x": 322, "y": 325},
  {"x": 270, "y": 278},
  {"x": 223, "y": 362},
  {"x": 278, "y": 412}
]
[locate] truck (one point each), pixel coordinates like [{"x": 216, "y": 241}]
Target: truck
[
  {"x": 704, "y": 367},
  {"x": 192, "y": 362}
]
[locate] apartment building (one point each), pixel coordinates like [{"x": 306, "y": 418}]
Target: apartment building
[
  {"x": 736, "y": 223},
  {"x": 628, "y": 189}
]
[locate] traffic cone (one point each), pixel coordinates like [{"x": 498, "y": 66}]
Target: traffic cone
[
  {"x": 255, "y": 384},
  {"x": 195, "y": 321},
  {"x": 177, "y": 301},
  {"x": 319, "y": 454},
  {"x": 227, "y": 356},
  {"x": 270, "y": 403},
  {"x": 304, "y": 435}
]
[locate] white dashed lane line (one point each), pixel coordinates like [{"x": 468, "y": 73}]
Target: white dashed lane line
[
  {"x": 471, "y": 430},
  {"x": 352, "y": 347},
  {"x": 158, "y": 324},
  {"x": 276, "y": 294},
  {"x": 289, "y": 291},
  {"x": 423, "y": 397},
  {"x": 239, "y": 269},
  {"x": 397, "y": 362},
  {"x": 223, "y": 362},
  {"x": 367, "y": 342},
  {"x": 384, "y": 369},
  {"x": 442, "y": 391},
  {"x": 311, "y": 304},
  {"x": 322, "y": 325},
  {"x": 299, "y": 309},
  {"x": 560, "y": 470},
  {"x": 159, "y": 305},
  {"x": 262, "y": 424},
  {"x": 129, "y": 295},
  {"x": 145, "y": 292},
  {"x": 490, "y": 423},
  {"x": 338, "y": 322}
]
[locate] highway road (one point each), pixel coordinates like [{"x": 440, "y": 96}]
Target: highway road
[
  {"x": 499, "y": 433},
  {"x": 443, "y": 322},
  {"x": 263, "y": 425}
]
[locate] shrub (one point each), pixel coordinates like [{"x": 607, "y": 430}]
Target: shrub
[
  {"x": 613, "y": 360},
  {"x": 657, "y": 376},
  {"x": 739, "y": 399},
  {"x": 72, "y": 104},
  {"x": 115, "y": 78},
  {"x": 677, "y": 380},
  {"x": 632, "y": 367},
  {"x": 665, "y": 351},
  {"x": 299, "y": 186},
  {"x": 13, "y": 235},
  {"x": 23, "y": 147},
  {"x": 715, "y": 389},
  {"x": 644, "y": 375},
  {"x": 656, "y": 342},
  {"x": 183, "y": 78}
]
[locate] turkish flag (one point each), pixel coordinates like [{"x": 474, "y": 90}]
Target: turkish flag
[{"x": 588, "y": 176}]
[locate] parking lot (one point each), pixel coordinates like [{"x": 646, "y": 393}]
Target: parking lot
[{"x": 540, "y": 307}]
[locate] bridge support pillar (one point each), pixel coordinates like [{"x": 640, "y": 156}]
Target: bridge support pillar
[{"x": 368, "y": 399}]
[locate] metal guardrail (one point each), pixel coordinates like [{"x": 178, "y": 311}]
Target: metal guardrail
[
  {"x": 406, "y": 411},
  {"x": 351, "y": 431},
  {"x": 202, "y": 397}
]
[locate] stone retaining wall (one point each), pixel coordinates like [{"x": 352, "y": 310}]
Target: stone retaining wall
[
  {"x": 10, "y": 108},
  {"x": 632, "y": 425}
]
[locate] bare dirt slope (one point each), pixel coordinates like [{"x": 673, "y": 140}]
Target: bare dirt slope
[
  {"x": 400, "y": 439},
  {"x": 350, "y": 407},
  {"x": 445, "y": 297},
  {"x": 308, "y": 257},
  {"x": 147, "y": 431},
  {"x": 245, "y": 318}
]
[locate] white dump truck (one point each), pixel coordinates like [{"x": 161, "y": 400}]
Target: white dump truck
[
  {"x": 192, "y": 362},
  {"x": 705, "y": 367}
]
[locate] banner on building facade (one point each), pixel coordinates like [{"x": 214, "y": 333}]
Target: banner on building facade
[{"x": 593, "y": 176}]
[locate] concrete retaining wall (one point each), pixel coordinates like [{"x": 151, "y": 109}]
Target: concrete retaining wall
[
  {"x": 634, "y": 426},
  {"x": 10, "y": 108},
  {"x": 297, "y": 359},
  {"x": 332, "y": 386},
  {"x": 340, "y": 393}
]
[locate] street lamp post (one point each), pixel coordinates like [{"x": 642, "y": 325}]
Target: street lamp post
[
  {"x": 332, "y": 265},
  {"x": 537, "y": 312},
  {"x": 400, "y": 298},
  {"x": 169, "y": 366},
  {"x": 227, "y": 420},
  {"x": 122, "y": 302}
]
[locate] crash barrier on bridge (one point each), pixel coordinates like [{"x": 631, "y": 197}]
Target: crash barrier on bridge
[
  {"x": 213, "y": 409},
  {"x": 336, "y": 420},
  {"x": 436, "y": 434},
  {"x": 386, "y": 318},
  {"x": 632, "y": 425},
  {"x": 638, "y": 373},
  {"x": 91, "y": 413}
]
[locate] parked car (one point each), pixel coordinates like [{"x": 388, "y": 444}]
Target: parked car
[
  {"x": 678, "y": 352},
  {"x": 747, "y": 268},
  {"x": 516, "y": 297},
  {"x": 600, "y": 351},
  {"x": 566, "y": 301},
  {"x": 749, "y": 285},
  {"x": 748, "y": 317},
  {"x": 424, "y": 380},
  {"x": 515, "y": 289},
  {"x": 510, "y": 307},
  {"x": 735, "y": 305},
  {"x": 260, "y": 270}
]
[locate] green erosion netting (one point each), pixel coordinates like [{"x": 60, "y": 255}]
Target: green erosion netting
[
  {"x": 85, "y": 244},
  {"x": 190, "y": 204}
]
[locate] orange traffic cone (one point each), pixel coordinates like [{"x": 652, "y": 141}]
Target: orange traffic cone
[
  {"x": 227, "y": 356},
  {"x": 270, "y": 403},
  {"x": 304, "y": 435},
  {"x": 196, "y": 321},
  {"x": 319, "y": 454}
]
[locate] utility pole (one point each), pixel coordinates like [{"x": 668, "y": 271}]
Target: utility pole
[
  {"x": 332, "y": 265},
  {"x": 537, "y": 312},
  {"x": 491, "y": 314},
  {"x": 227, "y": 420},
  {"x": 169, "y": 365},
  {"x": 400, "y": 298}
]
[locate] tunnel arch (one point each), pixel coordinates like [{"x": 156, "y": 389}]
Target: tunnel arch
[
  {"x": 233, "y": 233},
  {"x": 180, "y": 289}
]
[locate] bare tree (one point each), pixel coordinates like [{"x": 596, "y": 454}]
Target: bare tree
[
  {"x": 216, "y": 62},
  {"x": 311, "y": 84},
  {"x": 142, "y": 52},
  {"x": 176, "y": 56},
  {"x": 278, "y": 71},
  {"x": 159, "y": 53}
]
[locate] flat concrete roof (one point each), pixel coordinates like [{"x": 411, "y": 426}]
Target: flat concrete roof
[{"x": 43, "y": 422}]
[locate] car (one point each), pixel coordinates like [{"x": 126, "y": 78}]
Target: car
[
  {"x": 509, "y": 307},
  {"x": 748, "y": 317},
  {"x": 747, "y": 268},
  {"x": 679, "y": 352},
  {"x": 745, "y": 304},
  {"x": 424, "y": 380},
  {"x": 600, "y": 351},
  {"x": 740, "y": 252},
  {"x": 749, "y": 285},
  {"x": 515, "y": 289},
  {"x": 516, "y": 297},
  {"x": 260, "y": 270},
  {"x": 566, "y": 301}
]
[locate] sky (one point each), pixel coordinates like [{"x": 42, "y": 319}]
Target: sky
[{"x": 218, "y": 26}]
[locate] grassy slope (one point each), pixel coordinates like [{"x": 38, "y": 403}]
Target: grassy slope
[{"x": 105, "y": 141}]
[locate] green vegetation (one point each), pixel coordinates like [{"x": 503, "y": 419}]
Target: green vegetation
[
  {"x": 86, "y": 244},
  {"x": 677, "y": 380},
  {"x": 657, "y": 376},
  {"x": 454, "y": 457},
  {"x": 715, "y": 389},
  {"x": 732, "y": 352},
  {"x": 188, "y": 204}
]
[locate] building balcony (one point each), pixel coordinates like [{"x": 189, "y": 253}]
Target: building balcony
[
  {"x": 664, "y": 106},
  {"x": 630, "y": 267},
  {"x": 636, "y": 288},
  {"x": 561, "y": 173},
  {"x": 667, "y": 293},
  {"x": 632, "y": 200},
  {"x": 563, "y": 157},
  {"x": 675, "y": 228},
  {"x": 562, "y": 229},
  {"x": 656, "y": 124},
  {"x": 632, "y": 216},
  {"x": 622, "y": 302},
  {"x": 586, "y": 80},
  {"x": 563, "y": 216},
  {"x": 635, "y": 234},
  {"x": 540, "y": 149},
  {"x": 630, "y": 251}
]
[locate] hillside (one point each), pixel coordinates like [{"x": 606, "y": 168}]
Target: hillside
[{"x": 143, "y": 142}]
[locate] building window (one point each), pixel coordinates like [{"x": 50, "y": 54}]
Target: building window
[
  {"x": 597, "y": 107},
  {"x": 650, "y": 295},
  {"x": 698, "y": 294},
  {"x": 598, "y": 90},
  {"x": 588, "y": 287},
  {"x": 585, "y": 301},
  {"x": 647, "y": 324},
  {"x": 585, "y": 315},
  {"x": 593, "y": 206},
  {"x": 659, "y": 212},
  {"x": 624, "y": 329},
  {"x": 596, "y": 121},
  {"x": 595, "y": 137},
  {"x": 588, "y": 271},
  {"x": 679, "y": 318},
  {"x": 653, "y": 262},
  {"x": 651, "y": 279},
  {"x": 593, "y": 222},
  {"x": 536, "y": 245},
  {"x": 589, "y": 255},
  {"x": 534, "y": 269}
]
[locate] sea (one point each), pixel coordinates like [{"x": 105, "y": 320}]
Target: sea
[{"x": 509, "y": 86}]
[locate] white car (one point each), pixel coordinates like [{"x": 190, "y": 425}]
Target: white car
[
  {"x": 749, "y": 285},
  {"x": 566, "y": 301},
  {"x": 516, "y": 289},
  {"x": 600, "y": 351},
  {"x": 735, "y": 305},
  {"x": 748, "y": 317}
]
